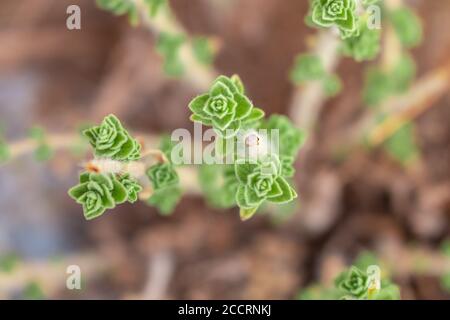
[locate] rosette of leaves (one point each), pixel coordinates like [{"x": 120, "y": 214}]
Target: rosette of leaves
[
  {"x": 98, "y": 192},
  {"x": 131, "y": 185},
  {"x": 339, "y": 13},
  {"x": 111, "y": 140},
  {"x": 363, "y": 46},
  {"x": 162, "y": 175},
  {"x": 168, "y": 46},
  {"x": 407, "y": 26},
  {"x": 225, "y": 107},
  {"x": 353, "y": 283},
  {"x": 260, "y": 181}
]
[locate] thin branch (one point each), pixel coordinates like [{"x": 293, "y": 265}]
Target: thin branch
[
  {"x": 307, "y": 101},
  {"x": 196, "y": 73}
]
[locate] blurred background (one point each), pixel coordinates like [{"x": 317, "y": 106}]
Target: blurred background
[{"x": 365, "y": 203}]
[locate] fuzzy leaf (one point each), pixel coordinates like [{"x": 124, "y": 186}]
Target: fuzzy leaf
[
  {"x": 287, "y": 192},
  {"x": 246, "y": 214}
]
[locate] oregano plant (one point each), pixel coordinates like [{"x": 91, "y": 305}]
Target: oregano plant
[{"x": 120, "y": 171}]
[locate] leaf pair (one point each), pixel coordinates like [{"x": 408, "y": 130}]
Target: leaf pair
[{"x": 111, "y": 140}]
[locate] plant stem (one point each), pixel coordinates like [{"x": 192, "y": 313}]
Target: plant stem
[
  {"x": 307, "y": 101},
  {"x": 201, "y": 76}
]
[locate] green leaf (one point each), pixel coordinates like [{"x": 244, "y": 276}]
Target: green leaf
[
  {"x": 111, "y": 140},
  {"x": 43, "y": 153},
  {"x": 287, "y": 195},
  {"x": 243, "y": 169},
  {"x": 255, "y": 115},
  {"x": 168, "y": 45},
  {"x": 240, "y": 198},
  {"x": 307, "y": 67},
  {"x": 219, "y": 185},
  {"x": 165, "y": 200},
  {"x": 332, "y": 85},
  {"x": 33, "y": 291},
  {"x": 4, "y": 152},
  {"x": 247, "y": 213},
  {"x": 8, "y": 262},
  {"x": 154, "y": 6},
  {"x": 198, "y": 104},
  {"x": 162, "y": 175},
  {"x": 238, "y": 83},
  {"x": 408, "y": 26},
  {"x": 202, "y": 50},
  {"x": 228, "y": 83},
  {"x": 365, "y": 45},
  {"x": 244, "y": 106},
  {"x": 402, "y": 145},
  {"x": 121, "y": 7},
  {"x": 251, "y": 197}
]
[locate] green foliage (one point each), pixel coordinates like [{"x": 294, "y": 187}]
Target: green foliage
[
  {"x": 166, "y": 191},
  {"x": 259, "y": 182},
  {"x": 225, "y": 107},
  {"x": 380, "y": 84},
  {"x": 445, "y": 279},
  {"x": 154, "y": 6},
  {"x": 98, "y": 192},
  {"x": 129, "y": 7},
  {"x": 355, "y": 284},
  {"x": 292, "y": 137},
  {"x": 332, "y": 85},
  {"x": 131, "y": 185},
  {"x": 408, "y": 26},
  {"x": 352, "y": 282},
  {"x": 402, "y": 145},
  {"x": 367, "y": 3},
  {"x": 249, "y": 182},
  {"x": 365, "y": 45},
  {"x": 121, "y": 7},
  {"x": 33, "y": 291},
  {"x": 339, "y": 13},
  {"x": 165, "y": 199},
  {"x": 203, "y": 50},
  {"x": 8, "y": 262},
  {"x": 168, "y": 46},
  {"x": 43, "y": 151},
  {"x": 307, "y": 67},
  {"x": 4, "y": 152},
  {"x": 219, "y": 185},
  {"x": 162, "y": 175},
  {"x": 111, "y": 140}
]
